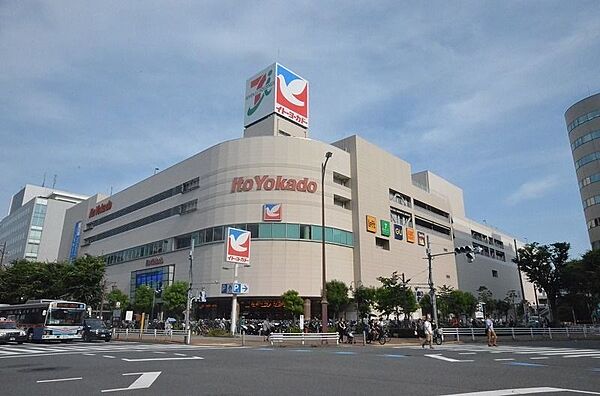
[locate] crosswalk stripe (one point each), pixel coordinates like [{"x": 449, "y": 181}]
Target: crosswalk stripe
[{"x": 8, "y": 353}]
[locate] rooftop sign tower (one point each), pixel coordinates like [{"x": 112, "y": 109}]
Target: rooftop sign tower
[{"x": 276, "y": 103}]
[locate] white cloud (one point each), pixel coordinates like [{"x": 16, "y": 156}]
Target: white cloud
[{"x": 533, "y": 190}]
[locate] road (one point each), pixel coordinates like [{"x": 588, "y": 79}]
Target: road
[{"x": 157, "y": 369}]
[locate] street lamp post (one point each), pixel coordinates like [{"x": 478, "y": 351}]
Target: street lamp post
[
  {"x": 189, "y": 297},
  {"x": 324, "y": 317}
]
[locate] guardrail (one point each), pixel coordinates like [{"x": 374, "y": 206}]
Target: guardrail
[
  {"x": 303, "y": 337},
  {"x": 126, "y": 334},
  {"x": 530, "y": 332}
]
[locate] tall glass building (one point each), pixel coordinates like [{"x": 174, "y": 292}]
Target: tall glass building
[{"x": 583, "y": 126}]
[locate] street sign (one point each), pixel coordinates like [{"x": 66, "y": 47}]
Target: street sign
[
  {"x": 237, "y": 246},
  {"x": 234, "y": 288}
]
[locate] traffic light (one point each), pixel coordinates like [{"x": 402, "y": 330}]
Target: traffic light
[{"x": 468, "y": 250}]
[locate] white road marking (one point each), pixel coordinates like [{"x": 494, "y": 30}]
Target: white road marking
[
  {"x": 504, "y": 359},
  {"x": 8, "y": 353},
  {"x": 180, "y": 354},
  {"x": 162, "y": 359},
  {"x": 160, "y": 352},
  {"x": 447, "y": 359},
  {"x": 59, "y": 380},
  {"x": 594, "y": 355},
  {"x": 89, "y": 354},
  {"x": 468, "y": 353},
  {"x": 521, "y": 391},
  {"x": 108, "y": 356},
  {"x": 143, "y": 382},
  {"x": 539, "y": 358}
]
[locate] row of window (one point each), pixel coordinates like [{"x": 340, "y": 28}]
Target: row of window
[
  {"x": 341, "y": 179},
  {"x": 589, "y": 180},
  {"x": 432, "y": 209},
  {"x": 39, "y": 215},
  {"x": 591, "y": 201},
  {"x": 180, "y": 189},
  {"x": 400, "y": 198},
  {"x": 176, "y": 210},
  {"x": 585, "y": 138},
  {"x": 401, "y": 217},
  {"x": 156, "y": 278},
  {"x": 287, "y": 231},
  {"x": 593, "y": 223},
  {"x": 583, "y": 119},
  {"x": 586, "y": 159},
  {"x": 489, "y": 252},
  {"x": 487, "y": 239},
  {"x": 430, "y": 226}
]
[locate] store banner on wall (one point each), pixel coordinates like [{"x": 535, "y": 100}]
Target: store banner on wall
[
  {"x": 421, "y": 238},
  {"x": 272, "y": 212},
  {"x": 75, "y": 242},
  {"x": 260, "y": 95},
  {"x": 291, "y": 101},
  {"x": 385, "y": 227},
  {"x": 398, "y": 232},
  {"x": 371, "y": 223},
  {"x": 237, "y": 248},
  {"x": 410, "y": 235}
]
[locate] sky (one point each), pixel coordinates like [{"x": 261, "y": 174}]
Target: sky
[{"x": 102, "y": 93}]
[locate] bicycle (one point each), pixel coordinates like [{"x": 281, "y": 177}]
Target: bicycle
[{"x": 438, "y": 336}]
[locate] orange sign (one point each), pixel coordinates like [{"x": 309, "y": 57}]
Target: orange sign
[
  {"x": 371, "y": 224},
  {"x": 410, "y": 235}
]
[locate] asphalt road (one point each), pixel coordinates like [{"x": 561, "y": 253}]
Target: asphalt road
[{"x": 120, "y": 368}]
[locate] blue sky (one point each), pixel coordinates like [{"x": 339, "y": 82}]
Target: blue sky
[{"x": 101, "y": 93}]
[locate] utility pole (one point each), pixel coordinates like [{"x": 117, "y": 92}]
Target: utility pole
[
  {"x": 431, "y": 288},
  {"x": 189, "y": 298},
  {"x": 234, "y": 302},
  {"x": 521, "y": 281}
]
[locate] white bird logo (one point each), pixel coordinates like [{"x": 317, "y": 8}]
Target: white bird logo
[
  {"x": 272, "y": 211},
  {"x": 238, "y": 243},
  {"x": 294, "y": 88}
]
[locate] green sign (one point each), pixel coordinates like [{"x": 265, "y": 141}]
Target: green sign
[{"x": 385, "y": 228}]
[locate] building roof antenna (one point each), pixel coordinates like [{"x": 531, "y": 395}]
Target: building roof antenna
[{"x": 54, "y": 182}]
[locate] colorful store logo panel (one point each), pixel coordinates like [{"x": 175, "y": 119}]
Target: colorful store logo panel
[
  {"x": 260, "y": 95},
  {"x": 292, "y": 96},
  {"x": 272, "y": 212},
  {"x": 410, "y": 235},
  {"x": 371, "y": 223},
  {"x": 398, "y": 232},
  {"x": 421, "y": 238},
  {"x": 385, "y": 227},
  {"x": 238, "y": 246}
]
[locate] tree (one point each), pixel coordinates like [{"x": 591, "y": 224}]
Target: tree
[
  {"x": 143, "y": 298},
  {"x": 115, "y": 296},
  {"x": 337, "y": 296},
  {"x": 83, "y": 280},
  {"x": 363, "y": 297},
  {"x": 442, "y": 300},
  {"x": 581, "y": 282},
  {"x": 461, "y": 303},
  {"x": 485, "y": 296},
  {"x": 175, "y": 297},
  {"x": 293, "y": 303},
  {"x": 545, "y": 266}
]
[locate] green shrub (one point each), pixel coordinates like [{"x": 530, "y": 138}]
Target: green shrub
[
  {"x": 294, "y": 329},
  {"x": 217, "y": 333}
]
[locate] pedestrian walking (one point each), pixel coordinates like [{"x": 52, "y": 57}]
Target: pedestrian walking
[
  {"x": 428, "y": 330},
  {"x": 491, "y": 333}
]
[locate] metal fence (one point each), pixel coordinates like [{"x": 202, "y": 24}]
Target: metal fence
[
  {"x": 524, "y": 332},
  {"x": 160, "y": 335}
]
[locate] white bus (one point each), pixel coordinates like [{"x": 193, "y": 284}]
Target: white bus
[{"x": 45, "y": 320}]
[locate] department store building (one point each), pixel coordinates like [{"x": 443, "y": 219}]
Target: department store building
[{"x": 378, "y": 216}]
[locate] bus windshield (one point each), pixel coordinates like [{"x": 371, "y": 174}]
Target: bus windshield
[{"x": 64, "y": 317}]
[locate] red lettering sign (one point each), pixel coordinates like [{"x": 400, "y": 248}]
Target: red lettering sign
[
  {"x": 270, "y": 183},
  {"x": 100, "y": 208},
  {"x": 154, "y": 261}
]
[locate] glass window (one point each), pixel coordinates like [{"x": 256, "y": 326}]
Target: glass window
[
  {"x": 218, "y": 233},
  {"x": 264, "y": 231},
  {"x": 278, "y": 230},
  {"x": 349, "y": 239},
  {"x": 328, "y": 234},
  {"x": 253, "y": 228},
  {"x": 304, "y": 231},
  {"x": 209, "y": 235},
  {"x": 316, "y": 234},
  {"x": 201, "y": 237},
  {"x": 35, "y": 234},
  {"x": 293, "y": 231},
  {"x": 338, "y": 236}
]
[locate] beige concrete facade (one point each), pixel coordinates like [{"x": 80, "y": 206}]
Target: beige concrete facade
[{"x": 361, "y": 180}]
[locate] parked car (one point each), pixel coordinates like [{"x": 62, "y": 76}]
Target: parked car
[
  {"x": 95, "y": 329},
  {"x": 10, "y": 333}
]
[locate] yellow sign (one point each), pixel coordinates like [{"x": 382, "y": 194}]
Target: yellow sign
[
  {"x": 371, "y": 224},
  {"x": 410, "y": 235}
]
